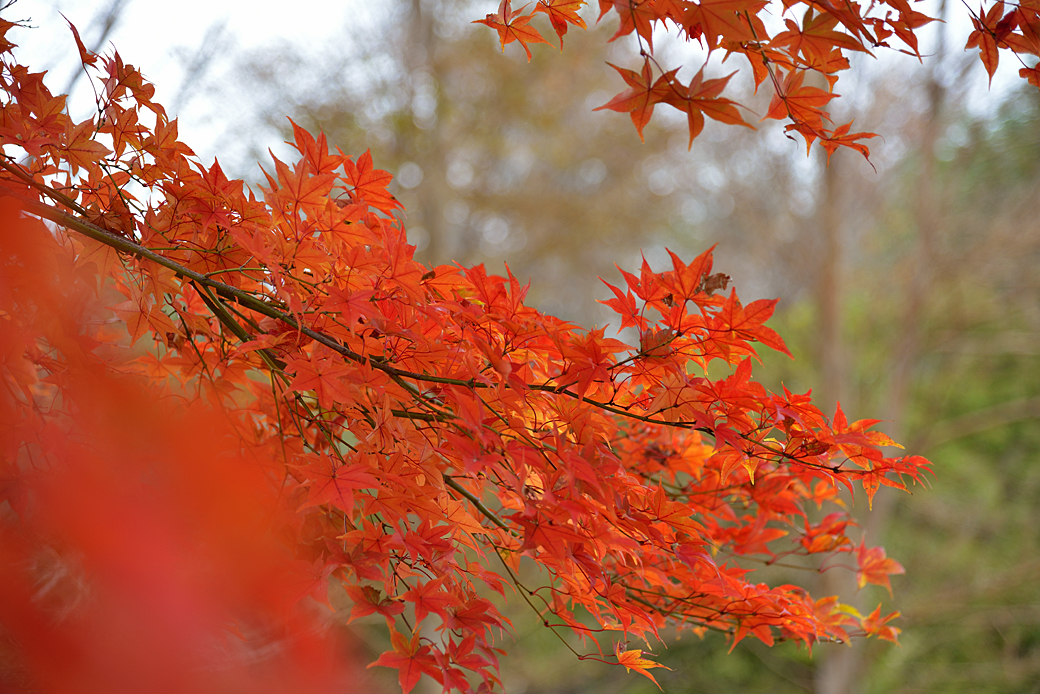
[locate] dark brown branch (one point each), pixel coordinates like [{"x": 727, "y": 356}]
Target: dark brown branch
[
  {"x": 251, "y": 302},
  {"x": 488, "y": 513}
]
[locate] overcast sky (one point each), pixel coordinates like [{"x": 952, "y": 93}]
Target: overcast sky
[{"x": 161, "y": 37}]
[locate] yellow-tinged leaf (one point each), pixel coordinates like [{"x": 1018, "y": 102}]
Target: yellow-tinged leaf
[
  {"x": 634, "y": 660},
  {"x": 750, "y": 464},
  {"x": 462, "y": 519}
]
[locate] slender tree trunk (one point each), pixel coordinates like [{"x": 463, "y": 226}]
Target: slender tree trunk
[
  {"x": 428, "y": 144},
  {"x": 829, "y": 289},
  {"x": 918, "y": 287},
  {"x": 842, "y": 666},
  {"x": 838, "y": 665}
]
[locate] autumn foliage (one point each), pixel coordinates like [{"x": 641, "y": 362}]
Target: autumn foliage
[
  {"x": 215, "y": 400},
  {"x": 817, "y": 36}
]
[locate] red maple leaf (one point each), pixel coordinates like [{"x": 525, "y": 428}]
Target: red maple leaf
[
  {"x": 432, "y": 597},
  {"x": 333, "y": 483},
  {"x": 409, "y": 658},
  {"x": 368, "y": 600},
  {"x": 369, "y": 183}
]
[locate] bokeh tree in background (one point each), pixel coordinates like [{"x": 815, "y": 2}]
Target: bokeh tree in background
[{"x": 494, "y": 159}]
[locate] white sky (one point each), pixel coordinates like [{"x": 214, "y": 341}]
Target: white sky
[
  {"x": 150, "y": 31},
  {"x": 155, "y": 36}
]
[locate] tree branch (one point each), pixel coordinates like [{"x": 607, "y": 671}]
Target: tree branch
[{"x": 251, "y": 302}]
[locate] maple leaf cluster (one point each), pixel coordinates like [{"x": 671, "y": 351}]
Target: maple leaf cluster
[
  {"x": 324, "y": 406},
  {"x": 996, "y": 28},
  {"x": 818, "y": 37}
]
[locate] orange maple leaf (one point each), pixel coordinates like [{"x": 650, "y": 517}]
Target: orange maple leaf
[
  {"x": 638, "y": 16},
  {"x": 642, "y": 95},
  {"x": 841, "y": 137},
  {"x": 875, "y": 567},
  {"x": 986, "y": 36},
  {"x": 333, "y": 483},
  {"x": 1031, "y": 74},
  {"x": 83, "y": 150},
  {"x": 816, "y": 38},
  {"x": 876, "y": 625},
  {"x": 1028, "y": 41},
  {"x": 561, "y": 13},
  {"x": 300, "y": 186},
  {"x": 701, "y": 98},
  {"x": 511, "y": 26},
  {"x": 801, "y": 104},
  {"x": 722, "y": 21},
  {"x": 85, "y": 56}
]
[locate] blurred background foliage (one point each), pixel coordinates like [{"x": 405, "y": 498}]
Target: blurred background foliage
[{"x": 909, "y": 293}]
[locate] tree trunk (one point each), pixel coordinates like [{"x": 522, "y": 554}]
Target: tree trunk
[
  {"x": 837, "y": 662},
  {"x": 428, "y": 144},
  {"x": 840, "y": 670}
]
